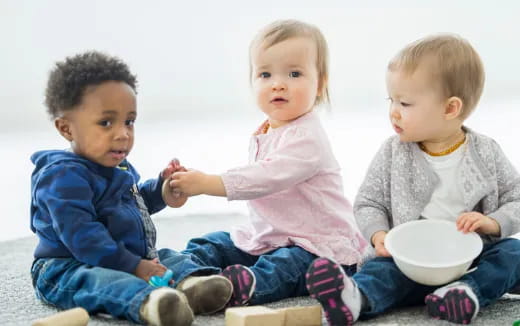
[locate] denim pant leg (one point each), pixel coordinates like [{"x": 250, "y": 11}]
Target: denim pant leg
[
  {"x": 182, "y": 265},
  {"x": 386, "y": 287},
  {"x": 67, "y": 283},
  {"x": 217, "y": 250},
  {"x": 498, "y": 271},
  {"x": 280, "y": 274}
]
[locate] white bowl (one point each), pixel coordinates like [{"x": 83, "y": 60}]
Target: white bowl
[{"x": 432, "y": 252}]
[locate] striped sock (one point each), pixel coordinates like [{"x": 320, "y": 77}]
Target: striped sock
[
  {"x": 244, "y": 284},
  {"x": 337, "y": 293},
  {"x": 455, "y": 302}
]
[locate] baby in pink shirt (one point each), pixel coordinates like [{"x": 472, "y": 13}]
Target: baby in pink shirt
[{"x": 292, "y": 182}]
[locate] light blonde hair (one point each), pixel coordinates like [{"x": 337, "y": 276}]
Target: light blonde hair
[
  {"x": 454, "y": 64},
  {"x": 282, "y": 30}
]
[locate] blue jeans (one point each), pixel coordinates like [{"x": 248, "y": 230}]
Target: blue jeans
[
  {"x": 67, "y": 283},
  {"x": 385, "y": 287},
  {"x": 279, "y": 273}
]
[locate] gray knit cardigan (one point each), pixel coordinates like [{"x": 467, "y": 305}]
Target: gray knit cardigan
[{"x": 399, "y": 184}]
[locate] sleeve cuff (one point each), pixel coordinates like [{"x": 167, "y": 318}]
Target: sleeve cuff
[
  {"x": 369, "y": 231},
  {"x": 506, "y": 227},
  {"x": 122, "y": 260},
  {"x": 229, "y": 183}
]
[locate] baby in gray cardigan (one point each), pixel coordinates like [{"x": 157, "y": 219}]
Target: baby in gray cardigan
[{"x": 434, "y": 168}]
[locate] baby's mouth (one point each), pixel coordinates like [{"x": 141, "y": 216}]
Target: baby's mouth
[
  {"x": 279, "y": 100},
  {"x": 117, "y": 154}
]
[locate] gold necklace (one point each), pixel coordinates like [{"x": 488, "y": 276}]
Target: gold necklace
[
  {"x": 265, "y": 127},
  {"x": 444, "y": 152}
]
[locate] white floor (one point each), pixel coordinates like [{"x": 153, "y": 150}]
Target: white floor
[{"x": 214, "y": 145}]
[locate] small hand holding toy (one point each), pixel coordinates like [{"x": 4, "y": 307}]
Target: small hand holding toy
[{"x": 159, "y": 281}]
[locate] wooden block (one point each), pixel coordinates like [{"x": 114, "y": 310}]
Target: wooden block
[
  {"x": 302, "y": 316},
  {"x": 71, "y": 317},
  {"x": 254, "y": 316}
]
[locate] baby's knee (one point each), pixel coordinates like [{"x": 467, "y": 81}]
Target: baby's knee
[
  {"x": 213, "y": 238},
  {"x": 510, "y": 246}
]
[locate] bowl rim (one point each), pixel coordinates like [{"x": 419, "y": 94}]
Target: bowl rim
[{"x": 390, "y": 235}]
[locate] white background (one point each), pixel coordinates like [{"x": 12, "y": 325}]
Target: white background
[{"x": 194, "y": 101}]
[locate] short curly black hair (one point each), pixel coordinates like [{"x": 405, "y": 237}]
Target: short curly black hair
[{"x": 70, "y": 78}]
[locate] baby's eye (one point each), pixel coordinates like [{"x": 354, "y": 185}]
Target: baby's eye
[
  {"x": 404, "y": 104},
  {"x": 105, "y": 123},
  {"x": 264, "y": 74},
  {"x": 130, "y": 122},
  {"x": 295, "y": 74}
]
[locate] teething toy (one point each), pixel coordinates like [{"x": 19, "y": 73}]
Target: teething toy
[{"x": 159, "y": 281}]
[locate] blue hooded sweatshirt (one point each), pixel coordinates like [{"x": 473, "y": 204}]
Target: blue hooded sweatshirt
[{"x": 84, "y": 210}]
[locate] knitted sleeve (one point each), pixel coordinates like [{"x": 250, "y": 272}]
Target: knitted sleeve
[{"x": 372, "y": 208}]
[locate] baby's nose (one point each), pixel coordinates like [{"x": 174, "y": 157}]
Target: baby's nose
[{"x": 278, "y": 85}]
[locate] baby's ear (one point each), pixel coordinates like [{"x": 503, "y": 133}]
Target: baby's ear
[
  {"x": 63, "y": 127},
  {"x": 454, "y": 108}
]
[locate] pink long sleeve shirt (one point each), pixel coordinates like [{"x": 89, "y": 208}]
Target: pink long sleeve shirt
[{"x": 295, "y": 194}]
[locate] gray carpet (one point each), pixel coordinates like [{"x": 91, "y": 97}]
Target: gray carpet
[{"x": 20, "y": 306}]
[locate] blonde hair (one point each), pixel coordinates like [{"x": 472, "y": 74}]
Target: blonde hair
[
  {"x": 282, "y": 30},
  {"x": 455, "y": 64}
]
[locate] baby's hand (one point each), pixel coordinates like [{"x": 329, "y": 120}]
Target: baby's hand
[
  {"x": 172, "y": 197},
  {"x": 148, "y": 268},
  {"x": 191, "y": 182},
  {"x": 378, "y": 240},
  {"x": 172, "y": 167},
  {"x": 477, "y": 222}
]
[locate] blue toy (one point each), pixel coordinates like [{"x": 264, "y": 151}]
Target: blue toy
[{"x": 159, "y": 281}]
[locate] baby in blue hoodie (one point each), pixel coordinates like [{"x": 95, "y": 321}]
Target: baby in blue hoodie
[{"x": 96, "y": 245}]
